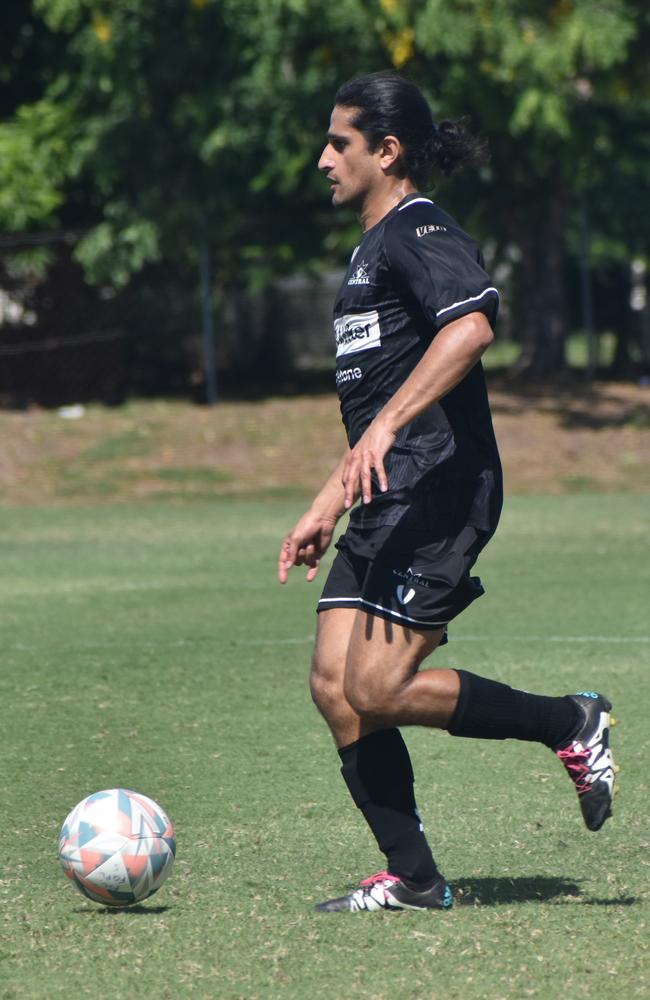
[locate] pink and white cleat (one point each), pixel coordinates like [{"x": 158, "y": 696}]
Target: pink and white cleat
[
  {"x": 384, "y": 891},
  {"x": 588, "y": 759}
]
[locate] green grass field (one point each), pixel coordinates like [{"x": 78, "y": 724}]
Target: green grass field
[{"x": 149, "y": 646}]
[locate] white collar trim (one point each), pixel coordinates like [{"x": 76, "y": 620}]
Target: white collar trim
[{"x": 414, "y": 202}]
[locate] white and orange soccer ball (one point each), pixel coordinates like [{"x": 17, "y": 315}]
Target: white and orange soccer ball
[{"x": 117, "y": 846}]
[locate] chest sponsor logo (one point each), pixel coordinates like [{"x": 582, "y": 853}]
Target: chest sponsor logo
[
  {"x": 348, "y": 375},
  {"x": 425, "y": 230},
  {"x": 359, "y": 332},
  {"x": 360, "y": 275}
]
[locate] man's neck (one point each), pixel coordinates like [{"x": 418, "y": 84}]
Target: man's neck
[{"x": 382, "y": 202}]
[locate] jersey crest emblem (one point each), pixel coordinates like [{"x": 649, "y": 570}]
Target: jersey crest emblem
[{"x": 360, "y": 275}]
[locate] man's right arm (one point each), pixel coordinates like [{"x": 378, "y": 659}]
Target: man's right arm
[{"x": 310, "y": 538}]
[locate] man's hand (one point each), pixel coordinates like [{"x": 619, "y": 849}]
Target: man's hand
[
  {"x": 306, "y": 544},
  {"x": 452, "y": 353},
  {"x": 368, "y": 454}
]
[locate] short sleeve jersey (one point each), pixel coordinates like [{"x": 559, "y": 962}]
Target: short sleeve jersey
[{"x": 413, "y": 273}]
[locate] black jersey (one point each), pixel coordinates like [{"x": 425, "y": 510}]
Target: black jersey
[{"x": 414, "y": 272}]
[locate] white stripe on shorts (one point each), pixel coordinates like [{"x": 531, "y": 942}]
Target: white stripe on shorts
[
  {"x": 389, "y": 611},
  {"x": 330, "y": 600},
  {"x": 379, "y": 607}
]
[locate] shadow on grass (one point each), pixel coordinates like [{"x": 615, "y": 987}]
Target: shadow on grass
[
  {"x": 578, "y": 405},
  {"x": 137, "y": 910},
  {"x": 498, "y": 891},
  {"x": 621, "y": 901}
]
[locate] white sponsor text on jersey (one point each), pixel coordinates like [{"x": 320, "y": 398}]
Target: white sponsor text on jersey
[{"x": 357, "y": 332}]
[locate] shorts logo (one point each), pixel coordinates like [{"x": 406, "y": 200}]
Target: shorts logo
[
  {"x": 425, "y": 230},
  {"x": 360, "y": 276},
  {"x": 358, "y": 332},
  {"x": 411, "y": 577},
  {"x": 404, "y": 595}
]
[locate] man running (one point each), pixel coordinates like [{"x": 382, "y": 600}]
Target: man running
[{"x": 412, "y": 318}]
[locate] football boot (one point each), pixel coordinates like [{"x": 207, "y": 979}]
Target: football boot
[
  {"x": 588, "y": 759},
  {"x": 384, "y": 891}
]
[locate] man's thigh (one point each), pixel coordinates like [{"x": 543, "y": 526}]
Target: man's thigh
[
  {"x": 383, "y": 656},
  {"x": 366, "y": 641},
  {"x": 353, "y": 641},
  {"x": 328, "y": 675},
  {"x": 360, "y": 662},
  {"x": 333, "y": 635}
]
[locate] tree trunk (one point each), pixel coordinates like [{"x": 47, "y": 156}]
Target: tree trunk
[
  {"x": 541, "y": 237},
  {"x": 631, "y": 324},
  {"x": 622, "y": 365}
]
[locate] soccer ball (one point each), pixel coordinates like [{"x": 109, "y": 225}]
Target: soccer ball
[{"x": 117, "y": 847}]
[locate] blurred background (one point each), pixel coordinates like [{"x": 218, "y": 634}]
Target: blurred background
[
  {"x": 159, "y": 202},
  {"x": 165, "y": 235}
]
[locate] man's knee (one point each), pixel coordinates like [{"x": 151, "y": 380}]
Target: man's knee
[
  {"x": 325, "y": 683},
  {"x": 368, "y": 692}
]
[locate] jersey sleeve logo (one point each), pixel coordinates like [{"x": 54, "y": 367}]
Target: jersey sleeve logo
[
  {"x": 358, "y": 332},
  {"x": 425, "y": 230}
]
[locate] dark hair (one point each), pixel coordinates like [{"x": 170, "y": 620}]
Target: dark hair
[{"x": 388, "y": 104}]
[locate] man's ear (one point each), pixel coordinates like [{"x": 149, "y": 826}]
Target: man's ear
[{"x": 390, "y": 152}]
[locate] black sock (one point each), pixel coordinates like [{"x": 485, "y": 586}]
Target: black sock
[
  {"x": 377, "y": 770},
  {"x": 489, "y": 710}
]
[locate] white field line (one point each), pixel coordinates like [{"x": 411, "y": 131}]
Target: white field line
[
  {"x": 638, "y": 640},
  {"x": 453, "y": 637}
]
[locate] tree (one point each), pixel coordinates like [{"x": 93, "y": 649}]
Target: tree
[
  {"x": 195, "y": 120},
  {"x": 162, "y": 128},
  {"x": 551, "y": 85}
]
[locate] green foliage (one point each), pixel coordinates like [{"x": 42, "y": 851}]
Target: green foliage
[
  {"x": 33, "y": 162},
  {"x": 235, "y": 111},
  {"x": 62, "y": 15},
  {"x": 158, "y": 126},
  {"x": 561, "y": 90},
  {"x": 27, "y": 265},
  {"x": 112, "y": 252},
  {"x": 534, "y": 76}
]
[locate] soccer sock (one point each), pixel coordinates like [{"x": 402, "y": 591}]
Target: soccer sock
[
  {"x": 489, "y": 710},
  {"x": 377, "y": 770}
]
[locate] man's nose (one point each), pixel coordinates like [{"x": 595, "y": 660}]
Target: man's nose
[{"x": 325, "y": 162}]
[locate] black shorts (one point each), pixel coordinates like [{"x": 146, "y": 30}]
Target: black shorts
[{"x": 415, "y": 573}]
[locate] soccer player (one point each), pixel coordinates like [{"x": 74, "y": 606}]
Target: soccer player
[{"x": 412, "y": 318}]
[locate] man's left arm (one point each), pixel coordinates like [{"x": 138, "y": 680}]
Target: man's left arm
[{"x": 453, "y": 352}]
